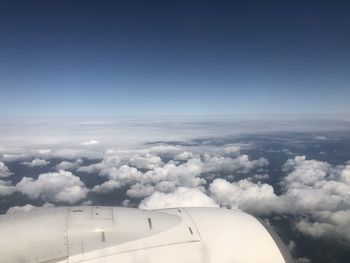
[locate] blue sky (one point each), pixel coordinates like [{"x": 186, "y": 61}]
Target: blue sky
[{"x": 84, "y": 58}]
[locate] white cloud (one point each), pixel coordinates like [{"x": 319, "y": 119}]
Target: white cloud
[
  {"x": 232, "y": 149},
  {"x": 139, "y": 160},
  {"x": 60, "y": 186},
  {"x": 305, "y": 172},
  {"x": 107, "y": 187},
  {"x": 140, "y": 190},
  {"x": 319, "y": 194},
  {"x": 315, "y": 191},
  {"x": 6, "y": 188},
  {"x": 181, "y": 197},
  {"x": 321, "y": 138},
  {"x": 118, "y": 177},
  {"x": 184, "y": 156},
  {"x": 16, "y": 209},
  {"x": 257, "y": 198},
  {"x": 25, "y": 208},
  {"x": 144, "y": 171},
  {"x": 261, "y": 177},
  {"x": 4, "y": 170},
  {"x": 91, "y": 142},
  {"x": 36, "y": 162},
  {"x": 67, "y": 165},
  {"x": 240, "y": 164}
]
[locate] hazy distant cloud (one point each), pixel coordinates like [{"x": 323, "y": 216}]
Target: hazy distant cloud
[
  {"x": 36, "y": 162},
  {"x": 260, "y": 177},
  {"x": 181, "y": 197},
  {"x": 91, "y": 142},
  {"x": 4, "y": 170},
  {"x": 321, "y": 138},
  {"x": 60, "y": 186}
]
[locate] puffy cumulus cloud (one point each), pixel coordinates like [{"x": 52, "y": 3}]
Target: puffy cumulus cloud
[
  {"x": 140, "y": 190},
  {"x": 68, "y": 165},
  {"x": 184, "y": 156},
  {"x": 164, "y": 168},
  {"x": 19, "y": 209},
  {"x": 25, "y": 208},
  {"x": 232, "y": 149},
  {"x": 240, "y": 164},
  {"x": 185, "y": 174},
  {"x": 6, "y": 188},
  {"x": 321, "y": 194},
  {"x": 168, "y": 152},
  {"x": 60, "y": 186},
  {"x": 164, "y": 178},
  {"x": 305, "y": 172},
  {"x": 328, "y": 223},
  {"x": 36, "y": 162},
  {"x": 181, "y": 197},
  {"x": 4, "y": 170},
  {"x": 317, "y": 193},
  {"x": 139, "y": 160},
  {"x": 313, "y": 186},
  {"x": 257, "y": 198},
  {"x": 118, "y": 177}
]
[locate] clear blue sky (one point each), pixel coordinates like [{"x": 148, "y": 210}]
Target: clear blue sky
[{"x": 76, "y": 58}]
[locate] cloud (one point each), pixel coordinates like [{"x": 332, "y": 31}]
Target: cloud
[
  {"x": 6, "y": 188},
  {"x": 181, "y": 197},
  {"x": 239, "y": 164},
  {"x": 4, "y": 170},
  {"x": 17, "y": 209},
  {"x": 146, "y": 170},
  {"x": 139, "y": 160},
  {"x": 118, "y": 177},
  {"x": 91, "y": 142},
  {"x": 317, "y": 193},
  {"x": 305, "y": 172},
  {"x": 67, "y": 165},
  {"x": 321, "y": 193},
  {"x": 60, "y": 186},
  {"x": 36, "y": 162},
  {"x": 260, "y": 177},
  {"x": 320, "y": 138},
  {"x": 313, "y": 186},
  {"x": 25, "y": 208},
  {"x": 259, "y": 199}
]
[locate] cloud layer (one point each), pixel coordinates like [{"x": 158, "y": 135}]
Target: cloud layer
[{"x": 205, "y": 172}]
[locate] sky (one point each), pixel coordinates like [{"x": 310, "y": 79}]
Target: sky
[{"x": 118, "y": 58}]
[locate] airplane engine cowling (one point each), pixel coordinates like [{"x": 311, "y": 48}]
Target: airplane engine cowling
[{"x": 99, "y": 234}]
